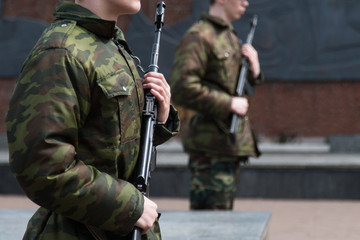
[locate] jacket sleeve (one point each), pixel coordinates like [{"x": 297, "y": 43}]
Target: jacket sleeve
[
  {"x": 164, "y": 132},
  {"x": 188, "y": 89},
  {"x": 49, "y": 104}
]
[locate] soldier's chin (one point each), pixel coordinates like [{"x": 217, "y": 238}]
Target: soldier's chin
[{"x": 239, "y": 16}]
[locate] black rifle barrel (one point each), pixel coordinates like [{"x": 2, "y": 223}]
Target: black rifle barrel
[
  {"x": 147, "y": 153},
  {"x": 242, "y": 79}
]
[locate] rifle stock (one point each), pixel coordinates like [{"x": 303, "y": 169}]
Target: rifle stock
[
  {"x": 242, "y": 79},
  {"x": 147, "y": 155}
]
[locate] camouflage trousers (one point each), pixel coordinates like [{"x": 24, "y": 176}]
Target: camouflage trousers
[{"x": 213, "y": 181}]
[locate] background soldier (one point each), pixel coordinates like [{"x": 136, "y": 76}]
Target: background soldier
[
  {"x": 74, "y": 126},
  {"x": 204, "y": 77}
]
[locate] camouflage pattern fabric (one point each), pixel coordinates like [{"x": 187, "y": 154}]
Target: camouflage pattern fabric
[
  {"x": 204, "y": 77},
  {"x": 213, "y": 181},
  {"x": 73, "y": 129}
]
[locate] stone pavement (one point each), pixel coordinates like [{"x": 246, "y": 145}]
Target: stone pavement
[
  {"x": 175, "y": 225},
  {"x": 290, "y": 219}
]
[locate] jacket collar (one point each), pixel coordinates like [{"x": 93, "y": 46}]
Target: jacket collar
[
  {"x": 88, "y": 20},
  {"x": 216, "y": 21}
]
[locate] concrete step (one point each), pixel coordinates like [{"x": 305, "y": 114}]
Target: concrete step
[
  {"x": 307, "y": 170},
  {"x": 310, "y": 145},
  {"x": 304, "y": 170},
  {"x": 312, "y": 153}
]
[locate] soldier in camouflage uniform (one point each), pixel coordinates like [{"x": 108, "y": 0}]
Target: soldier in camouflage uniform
[
  {"x": 204, "y": 77},
  {"x": 73, "y": 126}
]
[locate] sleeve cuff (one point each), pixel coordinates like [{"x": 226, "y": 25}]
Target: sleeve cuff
[{"x": 164, "y": 131}]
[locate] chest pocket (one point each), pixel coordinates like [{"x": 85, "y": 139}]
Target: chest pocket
[
  {"x": 228, "y": 60},
  {"x": 120, "y": 110}
]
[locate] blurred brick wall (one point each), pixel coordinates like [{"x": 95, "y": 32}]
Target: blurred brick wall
[
  {"x": 34, "y": 9},
  {"x": 306, "y": 109},
  {"x": 293, "y": 109}
]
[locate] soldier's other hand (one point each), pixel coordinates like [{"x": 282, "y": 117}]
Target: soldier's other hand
[
  {"x": 158, "y": 86},
  {"x": 239, "y": 105},
  {"x": 249, "y": 51},
  {"x": 147, "y": 219}
]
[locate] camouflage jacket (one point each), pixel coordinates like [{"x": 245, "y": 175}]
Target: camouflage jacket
[
  {"x": 204, "y": 77},
  {"x": 73, "y": 128}
]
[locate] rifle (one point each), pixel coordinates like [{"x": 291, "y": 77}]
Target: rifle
[
  {"x": 242, "y": 79},
  {"x": 147, "y": 155}
]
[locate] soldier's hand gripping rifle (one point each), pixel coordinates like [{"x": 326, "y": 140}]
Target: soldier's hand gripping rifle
[
  {"x": 147, "y": 155},
  {"x": 242, "y": 79}
]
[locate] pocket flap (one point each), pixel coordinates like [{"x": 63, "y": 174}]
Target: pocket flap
[{"x": 115, "y": 85}]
